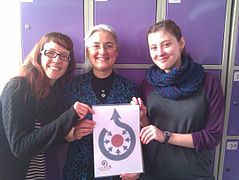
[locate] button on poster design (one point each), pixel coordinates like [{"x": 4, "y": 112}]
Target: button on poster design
[{"x": 117, "y": 147}]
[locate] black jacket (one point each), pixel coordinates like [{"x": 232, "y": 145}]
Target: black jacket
[{"x": 19, "y": 140}]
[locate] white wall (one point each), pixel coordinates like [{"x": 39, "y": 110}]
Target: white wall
[{"x": 10, "y": 40}]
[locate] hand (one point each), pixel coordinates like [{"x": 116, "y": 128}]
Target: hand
[
  {"x": 143, "y": 111},
  {"x": 149, "y": 133},
  {"x": 83, "y": 128},
  {"x": 82, "y": 109},
  {"x": 70, "y": 137},
  {"x": 129, "y": 176}
]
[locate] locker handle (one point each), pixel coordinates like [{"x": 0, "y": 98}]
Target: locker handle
[
  {"x": 235, "y": 103},
  {"x": 27, "y": 26}
]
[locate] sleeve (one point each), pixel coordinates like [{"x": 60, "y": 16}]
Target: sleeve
[
  {"x": 19, "y": 124},
  {"x": 210, "y": 136}
]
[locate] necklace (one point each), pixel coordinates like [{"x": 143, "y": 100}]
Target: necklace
[
  {"x": 102, "y": 86},
  {"x": 103, "y": 93}
]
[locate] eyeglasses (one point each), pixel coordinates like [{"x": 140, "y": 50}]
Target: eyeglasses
[
  {"x": 52, "y": 54},
  {"x": 106, "y": 46}
]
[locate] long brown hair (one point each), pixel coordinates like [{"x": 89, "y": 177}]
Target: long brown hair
[{"x": 31, "y": 69}]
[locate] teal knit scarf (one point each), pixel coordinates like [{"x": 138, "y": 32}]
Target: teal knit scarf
[{"x": 178, "y": 83}]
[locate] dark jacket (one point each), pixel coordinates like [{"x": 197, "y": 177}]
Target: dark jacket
[{"x": 19, "y": 140}]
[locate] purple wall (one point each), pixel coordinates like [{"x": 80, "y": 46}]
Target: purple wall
[
  {"x": 130, "y": 19},
  {"x": 231, "y": 162},
  {"x": 237, "y": 48},
  {"x": 135, "y": 75},
  {"x": 233, "y": 127},
  {"x": 52, "y": 15},
  {"x": 202, "y": 24}
]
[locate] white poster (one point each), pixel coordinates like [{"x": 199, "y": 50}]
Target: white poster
[{"x": 117, "y": 147}]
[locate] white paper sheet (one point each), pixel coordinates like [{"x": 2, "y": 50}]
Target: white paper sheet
[{"x": 117, "y": 147}]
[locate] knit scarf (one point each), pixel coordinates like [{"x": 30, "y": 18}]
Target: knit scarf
[{"x": 179, "y": 82}]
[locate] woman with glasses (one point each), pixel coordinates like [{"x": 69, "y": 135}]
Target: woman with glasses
[
  {"x": 101, "y": 85},
  {"x": 31, "y": 108}
]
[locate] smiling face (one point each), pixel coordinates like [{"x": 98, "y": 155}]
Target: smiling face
[
  {"x": 102, "y": 53},
  {"x": 54, "y": 68},
  {"x": 165, "y": 50}
]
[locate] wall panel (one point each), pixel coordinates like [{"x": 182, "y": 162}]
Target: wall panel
[
  {"x": 202, "y": 23},
  {"x": 130, "y": 19},
  {"x": 231, "y": 163},
  {"x": 41, "y": 16},
  {"x": 233, "y": 127}
]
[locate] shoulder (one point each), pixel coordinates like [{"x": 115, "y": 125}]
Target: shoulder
[
  {"x": 211, "y": 81},
  {"x": 212, "y": 85},
  {"x": 15, "y": 84},
  {"x": 15, "y": 90}
]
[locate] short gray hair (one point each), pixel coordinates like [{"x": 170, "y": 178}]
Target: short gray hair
[{"x": 100, "y": 27}]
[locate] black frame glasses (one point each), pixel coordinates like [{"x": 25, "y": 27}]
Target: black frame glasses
[{"x": 52, "y": 54}]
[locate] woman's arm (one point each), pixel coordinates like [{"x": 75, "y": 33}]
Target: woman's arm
[{"x": 19, "y": 123}]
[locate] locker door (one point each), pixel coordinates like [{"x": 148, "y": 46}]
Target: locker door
[
  {"x": 233, "y": 127},
  {"x": 202, "y": 24},
  {"x": 237, "y": 50},
  {"x": 231, "y": 162},
  {"x": 41, "y": 16},
  {"x": 130, "y": 19}
]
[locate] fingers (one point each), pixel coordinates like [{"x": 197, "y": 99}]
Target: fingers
[
  {"x": 82, "y": 133},
  {"x": 140, "y": 102},
  {"x": 137, "y": 101},
  {"x": 145, "y": 134},
  {"x": 129, "y": 176},
  {"x": 143, "y": 111},
  {"x": 85, "y": 124},
  {"x": 84, "y": 128},
  {"x": 150, "y": 133},
  {"x": 134, "y": 101},
  {"x": 82, "y": 109}
]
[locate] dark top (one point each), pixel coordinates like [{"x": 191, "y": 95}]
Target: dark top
[
  {"x": 19, "y": 140},
  {"x": 102, "y": 86},
  {"x": 201, "y": 114},
  {"x": 80, "y": 163}
]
